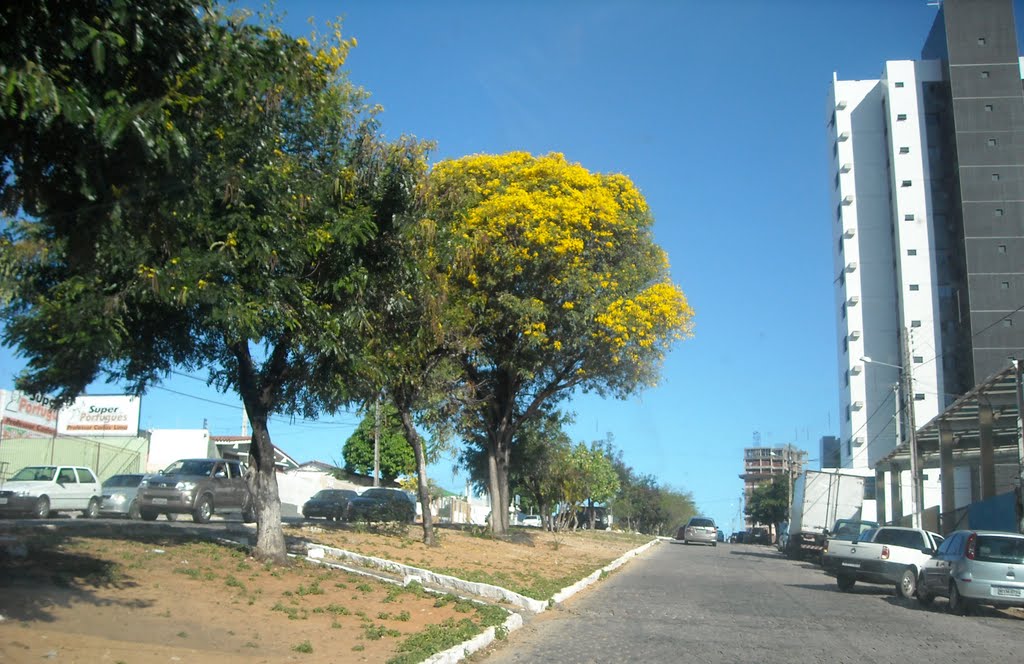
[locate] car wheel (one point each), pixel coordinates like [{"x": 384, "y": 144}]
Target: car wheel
[
  {"x": 845, "y": 582},
  {"x": 42, "y": 508},
  {"x": 907, "y": 587},
  {"x": 957, "y": 603},
  {"x": 134, "y": 513},
  {"x": 203, "y": 510},
  {"x": 924, "y": 598},
  {"x": 148, "y": 515},
  {"x": 92, "y": 510}
]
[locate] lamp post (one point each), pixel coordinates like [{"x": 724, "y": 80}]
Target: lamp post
[{"x": 905, "y": 380}]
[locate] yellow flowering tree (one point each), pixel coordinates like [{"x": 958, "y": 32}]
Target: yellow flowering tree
[{"x": 552, "y": 272}]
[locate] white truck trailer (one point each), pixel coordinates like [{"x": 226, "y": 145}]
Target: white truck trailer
[{"x": 819, "y": 500}]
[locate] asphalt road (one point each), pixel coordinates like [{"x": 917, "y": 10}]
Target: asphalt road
[{"x": 745, "y": 603}]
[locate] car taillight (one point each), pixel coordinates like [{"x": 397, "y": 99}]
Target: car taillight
[
  {"x": 885, "y": 553},
  {"x": 972, "y": 542},
  {"x": 824, "y": 549}
]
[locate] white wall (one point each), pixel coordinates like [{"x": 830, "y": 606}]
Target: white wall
[{"x": 168, "y": 445}]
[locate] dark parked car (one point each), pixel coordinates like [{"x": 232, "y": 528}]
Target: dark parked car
[
  {"x": 330, "y": 504},
  {"x": 119, "y": 496},
  {"x": 380, "y": 504},
  {"x": 975, "y": 567},
  {"x": 758, "y": 536}
]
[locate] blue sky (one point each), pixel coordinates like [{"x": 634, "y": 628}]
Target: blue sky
[{"x": 716, "y": 112}]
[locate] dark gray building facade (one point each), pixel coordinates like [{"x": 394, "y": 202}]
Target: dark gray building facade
[{"x": 975, "y": 134}]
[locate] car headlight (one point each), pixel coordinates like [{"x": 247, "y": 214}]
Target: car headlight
[
  {"x": 117, "y": 498},
  {"x": 144, "y": 483},
  {"x": 185, "y": 486},
  {"x": 23, "y": 493}
]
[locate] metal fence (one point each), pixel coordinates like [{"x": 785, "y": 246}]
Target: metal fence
[{"x": 106, "y": 457}]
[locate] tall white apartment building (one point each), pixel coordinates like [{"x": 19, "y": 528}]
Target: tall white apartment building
[{"x": 927, "y": 166}]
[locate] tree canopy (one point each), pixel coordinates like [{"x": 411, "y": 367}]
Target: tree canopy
[
  {"x": 554, "y": 274},
  {"x": 396, "y": 455},
  {"x": 769, "y": 503},
  {"x": 252, "y": 265}
]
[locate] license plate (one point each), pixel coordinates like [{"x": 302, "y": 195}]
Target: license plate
[
  {"x": 1007, "y": 592},
  {"x": 3, "y": 501},
  {"x": 857, "y": 565},
  {"x": 159, "y": 501}
]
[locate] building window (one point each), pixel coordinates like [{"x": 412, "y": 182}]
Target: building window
[
  {"x": 918, "y": 359},
  {"x": 1007, "y": 322},
  {"x": 995, "y": 177},
  {"x": 914, "y": 287},
  {"x": 837, "y": 180},
  {"x": 981, "y": 41},
  {"x": 915, "y": 323},
  {"x": 899, "y": 84},
  {"x": 918, "y": 396},
  {"x": 988, "y": 108},
  {"x": 842, "y": 278},
  {"x": 1004, "y": 285},
  {"x": 835, "y": 149},
  {"x": 904, "y": 150},
  {"x": 832, "y": 120},
  {"x": 901, "y": 117},
  {"x": 1001, "y": 249},
  {"x": 908, "y": 217},
  {"x": 840, "y": 245},
  {"x": 998, "y": 212},
  {"x": 842, "y": 311},
  {"x": 984, "y": 74},
  {"x": 991, "y": 142},
  {"x": 846, "y": 377},
  {"x": 846, "y": 345},
  {"x": 847, "y": 419},
  {"x": 911, "y": 252},
  {"x": 905, "y": 183}
]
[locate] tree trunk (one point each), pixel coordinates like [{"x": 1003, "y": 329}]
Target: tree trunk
[
  {"x": 423, "y": 488},
  {"x": 493, "y": 490},
  {"x": 270, "y": 546},
  {"x": 591, "y": 515}
]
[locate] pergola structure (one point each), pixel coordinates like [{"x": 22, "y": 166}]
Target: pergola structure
[{"x": 982, "y": 428}]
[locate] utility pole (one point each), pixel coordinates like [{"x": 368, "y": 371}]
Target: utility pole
[
  {"x": 1018, "y": 366},
  {"x": 376, "y": 442},
  {"x": 907, "y": 377}
]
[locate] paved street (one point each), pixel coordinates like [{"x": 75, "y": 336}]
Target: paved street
[{"x": 744, "y": 603}]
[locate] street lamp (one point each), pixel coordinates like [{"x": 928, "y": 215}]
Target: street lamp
[{"x": 915, "y": 490}]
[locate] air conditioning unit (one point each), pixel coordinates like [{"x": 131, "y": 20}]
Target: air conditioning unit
[
  {"x": 846, "y": 168},
  {"x": 848, "y": 199},
  {"x": 858, "y": 441},
  {"x": 857, "y": 405},
  {"x": 849, "y": 232},
  {"x": 854, "y": 335},
  {"x": 852, "y": 302},
  {"x": 841, "y": 105},
  {"x": 844, "y": 136},
  {"x": 856, "y": 369},
  {"x": 850, "y": 267}
]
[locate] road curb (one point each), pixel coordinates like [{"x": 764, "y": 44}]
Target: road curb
[{"x": 569, "y": 591}]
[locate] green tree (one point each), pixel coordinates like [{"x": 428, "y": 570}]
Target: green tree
[
  {"x": 769, "y": 503},
  {"x": 252, "y": 262},
  {"x": 396, "y": 455},
  {"x": 537, "y": 451},
  {"x": 591, "y": 478},
  {"x": 553, "y": 275}
]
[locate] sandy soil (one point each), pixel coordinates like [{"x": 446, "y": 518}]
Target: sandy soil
[{"x": 142, "y": 596}]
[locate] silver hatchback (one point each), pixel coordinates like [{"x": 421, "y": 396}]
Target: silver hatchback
[
  {"x": 975, "y": 567},
  {"x": 699, "y": 529}
]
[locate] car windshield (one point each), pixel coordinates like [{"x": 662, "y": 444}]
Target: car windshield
[
  {"x": 378, "y": 493},
  {"x": 122, "y": 481},
  {"x": 998, "y": 549},
  {"x": 197, "y": 467},
  {"x": 702, "y": 523},
  {"x": 35, "y": 474},
  {"x": 331, "y": 494}
]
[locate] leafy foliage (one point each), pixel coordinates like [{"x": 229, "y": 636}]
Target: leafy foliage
[
  {"x": 552, "y": 273},
  {"x": 396, "y": 455},
  {"x": 769, "y": 503}
]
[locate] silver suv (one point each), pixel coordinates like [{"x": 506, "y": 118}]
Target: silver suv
[
  {"x": 200, "y": 487},
  {"x": 40, "y": 490}
]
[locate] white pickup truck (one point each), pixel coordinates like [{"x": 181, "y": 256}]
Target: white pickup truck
[{"x": 886, "y": 555}]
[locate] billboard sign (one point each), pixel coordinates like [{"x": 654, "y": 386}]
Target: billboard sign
[
  {"x": 111, "y": 415},
  {"x": 27, "y": 415}
]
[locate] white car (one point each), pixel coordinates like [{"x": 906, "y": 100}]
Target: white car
[
  {"x": 532, "y": 520},
  {"x": 40, "y": 490}
]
